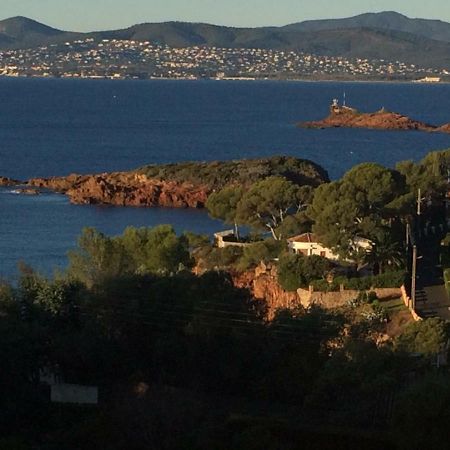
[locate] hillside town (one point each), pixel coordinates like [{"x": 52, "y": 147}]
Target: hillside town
[{"x": 126, "y": 59}]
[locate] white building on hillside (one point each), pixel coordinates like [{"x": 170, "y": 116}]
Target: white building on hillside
[{"x": 308, "y": 244}]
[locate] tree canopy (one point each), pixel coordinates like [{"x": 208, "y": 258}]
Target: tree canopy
[
  {"x": 356, "y": 205},
  {"x": 427, "y": 337},
  {"x": 295, "y": 271},
  {"x": 223, "y": 204},
  {"x": 267, "y": 203},
  {"x": 429, "y": 175},
  {"x": 155, "y": 250},
  {"x": 216, "y": 175}
]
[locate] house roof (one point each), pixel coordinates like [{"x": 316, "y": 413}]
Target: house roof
[{"x": 305, "y": 237}]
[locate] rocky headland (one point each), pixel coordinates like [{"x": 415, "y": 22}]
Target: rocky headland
[
  {"x": 346, "y": 117},
  {"x": 181, "y": 185},
  {"x": 5, "y": 182},
  {"x": 125, "y": 189}
]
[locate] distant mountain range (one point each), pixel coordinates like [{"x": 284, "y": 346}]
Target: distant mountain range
[
  {"x": 392, "y": 21},
  {"x": 386, "y": 35}
]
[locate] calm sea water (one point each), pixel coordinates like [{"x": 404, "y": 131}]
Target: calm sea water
[{"x": 55, "y": 127}]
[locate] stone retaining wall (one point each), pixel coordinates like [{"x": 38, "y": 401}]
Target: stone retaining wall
[
  {"x": 338, "y": 299},
  {"x": 262, "y": 282}
]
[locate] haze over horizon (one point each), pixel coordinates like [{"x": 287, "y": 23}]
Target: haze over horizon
[{"x": 85, "y": 15}]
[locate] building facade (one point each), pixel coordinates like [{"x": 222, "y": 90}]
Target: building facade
[{"x": 308, "y": 244}]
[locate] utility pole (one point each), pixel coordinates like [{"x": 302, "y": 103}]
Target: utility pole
[
  {"x": 413, "y": 278},
  {"x": 419, "y": 203},
  {"x": 407, "y": 235},
  {"x": 419, "y": 212}
]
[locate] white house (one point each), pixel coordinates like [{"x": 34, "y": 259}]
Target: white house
[{"x": 308, "y": 244}]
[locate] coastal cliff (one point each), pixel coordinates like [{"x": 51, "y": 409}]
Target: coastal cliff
[
  {"x": 346, "y": 117},
  {"x": 180, "y": 185},
  {"x": 263, "y": 284},
  {"x": 125, "y": 189}
]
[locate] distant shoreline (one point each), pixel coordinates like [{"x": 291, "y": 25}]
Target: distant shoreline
[{"x": 231, "y": 79}]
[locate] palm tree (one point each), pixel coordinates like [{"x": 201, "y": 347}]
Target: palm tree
[{"x": 385, "y": 252}]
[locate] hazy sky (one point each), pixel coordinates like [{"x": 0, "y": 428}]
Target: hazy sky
[{"x": 88, "y": 15}]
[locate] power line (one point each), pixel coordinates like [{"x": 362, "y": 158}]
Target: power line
[{"x": 179, "y": 321}]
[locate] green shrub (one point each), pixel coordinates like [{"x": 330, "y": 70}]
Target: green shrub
[
  {"x": 362, "y": 298},
  {"x": 295, "y": 271},
  {"x": 156, "y": 250},
  {"x": 427, "y": 336},
  {"x": 259, "y": 251},
  {"x": 196, "y": 241},
  {"x": 378, "y": 314},
  {"x": 385, "y": 280},
  {"x": 372, "y": 297},
  {"x": 220, "y": 258},
  {"x": 324, "y": 286},
  {"x": 447, "y": 280}
]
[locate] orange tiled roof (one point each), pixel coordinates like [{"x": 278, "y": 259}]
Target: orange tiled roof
[{"x": 305, "y": 237}]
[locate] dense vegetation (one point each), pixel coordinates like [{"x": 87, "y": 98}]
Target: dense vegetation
[
  {"x": 341, "y": 211},
  {"x": 219, "y": 174},
  {"x": 137, "y": 251},
  {"x": 298, "y": 271}
]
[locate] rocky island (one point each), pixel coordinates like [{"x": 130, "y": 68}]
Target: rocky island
[
  {"x": 5, "y": 182},
  {"x": 347, "y": 117},
  {"x": 180, "y": 185}
]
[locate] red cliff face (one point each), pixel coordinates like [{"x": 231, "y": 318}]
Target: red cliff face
[
  {"x": 58, "y": 184},
  {"x": 444, "y": 128},
  {"x": 262, "y": 282},
  {"x": 125, "y": 189},
  {"x": 381, "y": 120}
]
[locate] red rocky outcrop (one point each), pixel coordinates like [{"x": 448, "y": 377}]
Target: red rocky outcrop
[
  {"x": 444, "y": 128},
  {"x": 125, "y": 189},
  {"x": 4, "y": 181},
  {"x": 262, "y": 282},
  {"x": 381, "y": 120}
]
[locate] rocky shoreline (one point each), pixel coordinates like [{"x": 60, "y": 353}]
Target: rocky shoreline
[
  {"x": 124, "y": 189},
  {"x": 346, "y": 117},
  {"x": 6, "y": 182},
  {"x": 179, "y": 185}
]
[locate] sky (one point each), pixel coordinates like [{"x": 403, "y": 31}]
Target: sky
[{"x": 90, "y": 15}]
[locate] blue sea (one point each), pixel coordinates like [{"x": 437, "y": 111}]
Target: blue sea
[{"x": 56, "y": 127}]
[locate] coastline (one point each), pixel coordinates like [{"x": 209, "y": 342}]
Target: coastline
[
  {"x": 232, "y": 79},
  {"x": 180, "y": 185}
]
